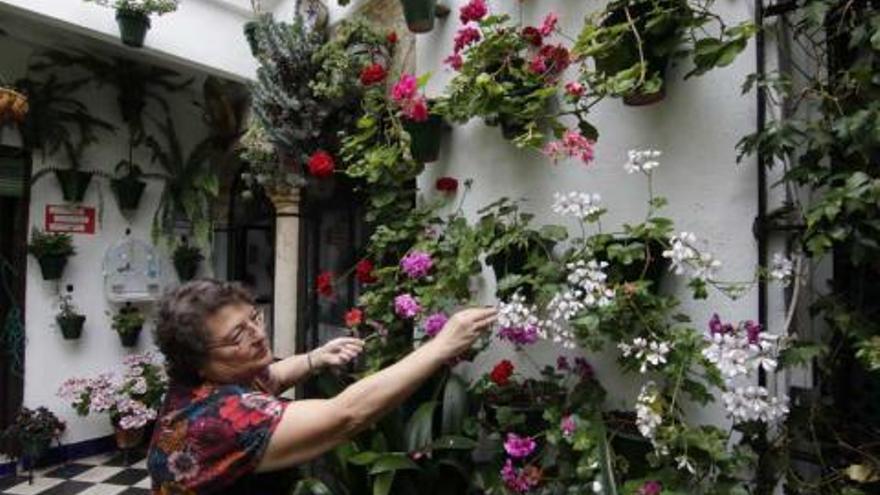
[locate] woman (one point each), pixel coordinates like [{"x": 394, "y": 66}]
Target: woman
[{"x": 223, "y": 430}]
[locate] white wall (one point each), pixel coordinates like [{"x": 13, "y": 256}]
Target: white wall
[
  {"x": 49, "y": 359},
  {"x": 696, "y": 127},
  {"x": 206, "y": 34}
]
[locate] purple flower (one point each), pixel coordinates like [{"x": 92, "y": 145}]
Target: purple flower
[
  {"x": 406, "y": 306},
  {"x": 651, "y": 488},
  {"x": 562, "y": 364},
  {"x": 753, "y": 330},
  {"x": 716, "y": 327},
  {"x": 434, "y": 323},
  {"x": 417, "y": 264},
  {"x": 519, "y": 335},
  {"x": 519, "y": 447},
  {"x": 568, "y": 426},
  {"x": 515, "y": 479}
]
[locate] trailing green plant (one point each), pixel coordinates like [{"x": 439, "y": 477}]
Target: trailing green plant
[
  {"x": 186, "y": 260},
  {"x": 50, "y": 244}
]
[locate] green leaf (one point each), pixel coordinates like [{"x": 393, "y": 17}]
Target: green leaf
[
  {"x": 419, "y": 428},
  {"x": 454, "y": 405},
  {"x": 451, "y": 442},
  {"x": 311, "y": 486},
  {"x": 393, "y": 462},
  {"x": 364, "y": 458},
  {"x": 382, "y": 483}
]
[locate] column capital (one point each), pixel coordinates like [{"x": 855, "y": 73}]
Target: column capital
[{"x": 286, "y": 201}]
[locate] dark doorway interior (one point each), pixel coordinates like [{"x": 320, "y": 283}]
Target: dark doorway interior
[{"x": 15, "y": 167}]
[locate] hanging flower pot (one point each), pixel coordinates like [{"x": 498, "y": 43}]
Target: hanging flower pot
[
  {"x": 13, "y": 106},
  {"x": 130, "y": 337},
  {"x": 52, "y": 266},
  {"x": 51, "y": 251},
  {"x": 419, "y": 14},
  {"x": 133, "y": 27},
  {"x": 186, "y": 261},
  {"x": 74, "y": 184},
  {"x": 128, "y": 322},
  {"x": 71, "y": 325},
  {"x": 425, "y": 138},
  {"x": 651, "y": 267},
  {"x": 129, "y": 188}
]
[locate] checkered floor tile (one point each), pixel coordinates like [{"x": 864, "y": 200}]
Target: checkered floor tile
[{"x": 106, "y": 474}]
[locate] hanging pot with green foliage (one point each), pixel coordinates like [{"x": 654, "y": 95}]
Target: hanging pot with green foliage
[
  {"x": 74, "y": 181},
  {"x": 133, "y": 27},
  {"x": 51, "y": 251},
  {"x": 127, "y": 185},
  {"x": 128, "y": 323},
  {"x": 425, "y": 138},
  {"x": 69, "y": 320},
  {"x": 187, "y": 260},
  {"x": 419, "y": 14}
]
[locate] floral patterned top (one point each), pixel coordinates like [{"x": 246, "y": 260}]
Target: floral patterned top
[{"x": 210, "y": 439}]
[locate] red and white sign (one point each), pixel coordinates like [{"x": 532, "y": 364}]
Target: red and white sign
[{"x": 66, "y": 218}]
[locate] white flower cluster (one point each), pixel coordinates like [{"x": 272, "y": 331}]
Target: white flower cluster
[
  {"x": 587, "y": 289},
  {"x": 583, "y": 206},
  {"x": 688, "y": 261},
  {"x": 642, "y": 161},
  {"x": 651, "y": 353},
  {"x": 134, "y": 414},
  {"x": 517, "y": 314},
  {"x": 146, "y": 6},
  {"x": 781, "y": 269},
  {"x": 753, "y": 404},
  {"x": 737, "y": 355},
  {"x": 647, "y": 417}
]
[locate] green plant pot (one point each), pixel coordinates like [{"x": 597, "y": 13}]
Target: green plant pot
[
  {"x": 52, "y": 266},
  {"x": 130, "y": 338},
  {"x": 419, "y": 14},
  {"x": 426, "y": 138},
  {"x": 128, "y": 191},
  {"x": 133, "y": 27},
  {"x": 186, "y": 270},
  {"x": 71, "y": 326},
  {"x": 74, "y": 184}
]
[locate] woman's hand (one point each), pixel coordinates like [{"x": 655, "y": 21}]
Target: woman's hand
[
  {"x": 463, "y": 329},
  {"x": 337, "y": 352}
]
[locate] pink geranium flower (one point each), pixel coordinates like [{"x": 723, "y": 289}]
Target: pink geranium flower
[
  {"x": 474, "y": 10},
  {"x": 405, "y": 88},
  {"x": 519, "y": 447},
  {"x": 549, "y": 24}
]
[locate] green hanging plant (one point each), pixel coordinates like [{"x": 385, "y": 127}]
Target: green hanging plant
[{"x": 51, "y": 251}]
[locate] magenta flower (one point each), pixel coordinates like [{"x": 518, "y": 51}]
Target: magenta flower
[
  {"x": 538, "y": 65},
  {"x": 405, "y": 88},
  {"x": 575, "y": 89},
  {"x": 466, "y": 36},
  {"x": 572, "y": 144},
  {"x": 549, "y": 24},
  {"x": 473, "y": 11},
  {"x": 455, "y": 61},
  {"x": 416, "y": 264},
  {"x": 753, "y": 330},
  {"x": 406, "y": 306},
  {"x": 717, "y": 327},
  {"x": 515, "y": 479},
  {"x": 651, "y": 488},
  {"x": 434, "y": 323},
  {"x": 519, "y": 335},
  {"x": 568, "y": 426},
  {"x": 519, "y": 447},
  {"x": 562, "y": 364},
  {"x": 583, "y": 368},
  {"x": 416, "y": 109}
]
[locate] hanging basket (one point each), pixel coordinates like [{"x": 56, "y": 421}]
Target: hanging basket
[
  {"x": 133, "y": 27},
  {"x": 74, "y": 184},
  {"x": 128, "y": 191},
  {"x": 52, "y": 266},
  {"x": 130, "y": 337},
  {"x": 186, "y": 269},
  {"x": 71, "y": 326},
  {"x": 13, "y": 106},
  {"x": 425, "y": 138},
  {"x": 419, "y": 14}
]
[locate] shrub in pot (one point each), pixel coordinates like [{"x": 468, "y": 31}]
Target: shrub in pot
[
  {"x": 69, "y": 320},
  {"x": 29, "y": 436},
  {"x": 51, "y": 251},
  {"x": 128, "y": 323},
  {"x": 127, "y": 186},
  {"x": 425, "y": 137},
  {"x": 133, "y": 17},
  {"x": 186, "y": 261}
]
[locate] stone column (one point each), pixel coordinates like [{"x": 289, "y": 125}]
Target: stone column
[{"x": 286, "y": 296}]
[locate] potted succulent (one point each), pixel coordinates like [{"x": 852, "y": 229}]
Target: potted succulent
[
  {"x": 133, "y": 17},
  {"x": 51, "y": 251},
  {"x": 419, "y": 14},
  {"x": 128, "y": 323},
  {"x": 29, "y": 436},
  {"x": 13, "y": 104},
  {"x": 69, "y": 320},
  {"x": 127, "y": 185},
  {"x": 186, "y": 260}
]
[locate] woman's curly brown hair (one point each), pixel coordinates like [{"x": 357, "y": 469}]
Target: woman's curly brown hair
[{"x": 181, "y": 332}]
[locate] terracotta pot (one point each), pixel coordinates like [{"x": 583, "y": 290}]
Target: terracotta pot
[{"x": 128, "y": 439}]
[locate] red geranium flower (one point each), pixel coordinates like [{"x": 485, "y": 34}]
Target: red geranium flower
[
  {"x": 324, "y": 284},
  {"x": 447, "y": 184},
  {"x": 372, "y": 74},
  {"x": 392, "y": 37},
  {"x": 321, "y": 164},
  {"x": 532, "y": 36},
  {"x": 557, "y": 57},
  {"x": 364, "y": 272},
  {"x": 354, "y": 317},
  {"x": 501, "y": 373}
]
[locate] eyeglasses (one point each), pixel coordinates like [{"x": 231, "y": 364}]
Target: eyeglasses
[{"x": 252, "y": 328}]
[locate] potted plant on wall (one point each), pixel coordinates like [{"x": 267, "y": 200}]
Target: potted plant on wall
[
  {"x": 186, "y": 260},
  {"x": 133, "y": 17},
  {"x": 127, "y": 185},
  {"x": 29, "y": 436},
  {"x": 51, "y": 251},
  {"x": 13, "y": 103},
  {"x": 69, "y": 320},
  {"x": 419, "y": 14},
  {"x": 128, "y": 323}
]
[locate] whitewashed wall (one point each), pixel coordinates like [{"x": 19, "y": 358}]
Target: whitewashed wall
[
  {"x": 696, "y": 127},
  {"x": 49, "y": 359}
]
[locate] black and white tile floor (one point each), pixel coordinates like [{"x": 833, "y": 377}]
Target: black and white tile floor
[{"x": 105, "y": 474}]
